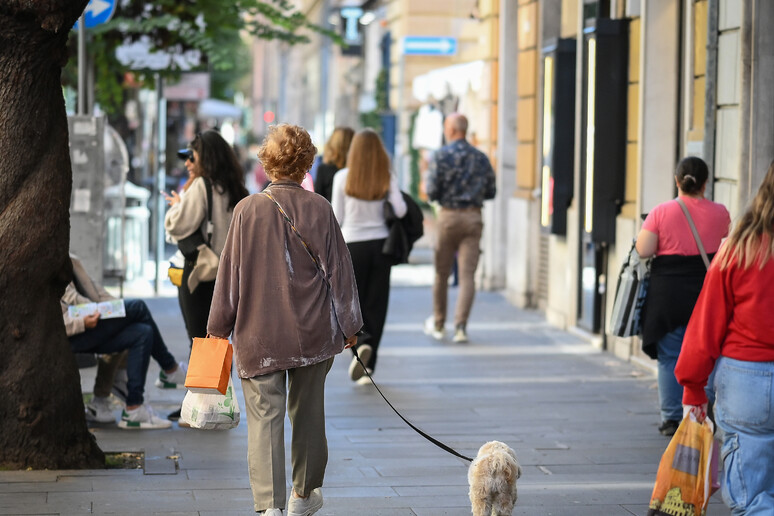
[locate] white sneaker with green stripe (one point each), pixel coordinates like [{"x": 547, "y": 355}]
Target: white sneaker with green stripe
[
  {"x": 174, "y": 380},
  {"x": 142, "y": 418}
]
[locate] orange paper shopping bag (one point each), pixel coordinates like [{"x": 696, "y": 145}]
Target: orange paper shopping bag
[{"x": 210, "y": 366}]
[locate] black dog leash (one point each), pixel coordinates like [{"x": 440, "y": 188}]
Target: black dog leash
[
  {"x": 317, "y": 264},
  {"x": 432, "y": 439}
]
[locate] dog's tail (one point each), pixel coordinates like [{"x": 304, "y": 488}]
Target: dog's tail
[{"x": 506, "y": 467}]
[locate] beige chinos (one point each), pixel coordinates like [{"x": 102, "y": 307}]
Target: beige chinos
[
  {"x": 265, "y": 401},
  {"x": 459, "y": 232}
]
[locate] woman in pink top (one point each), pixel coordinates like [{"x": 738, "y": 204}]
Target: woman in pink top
[{"x": 676, "y": 276}]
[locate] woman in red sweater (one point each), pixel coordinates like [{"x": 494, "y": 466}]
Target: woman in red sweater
[{"x": 732, "y": 324}]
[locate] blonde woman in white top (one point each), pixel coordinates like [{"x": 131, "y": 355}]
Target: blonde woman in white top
[{"x": 357, "y": 198}]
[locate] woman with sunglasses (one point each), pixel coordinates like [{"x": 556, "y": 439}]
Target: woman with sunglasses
[{"x": 211, "y": 163}]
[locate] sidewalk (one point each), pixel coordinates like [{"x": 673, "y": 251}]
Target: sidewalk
[{"x": 583, "y": 425}]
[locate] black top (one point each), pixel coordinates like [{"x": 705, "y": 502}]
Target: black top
[
  {"x": 323, "y": 183},
  {"x": 675, "y": 283}
]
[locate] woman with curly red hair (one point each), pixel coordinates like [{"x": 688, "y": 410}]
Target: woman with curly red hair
[{"x": 286, "y": 294}]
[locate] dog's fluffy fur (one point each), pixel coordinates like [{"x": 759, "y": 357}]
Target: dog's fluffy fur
[{"x": 492, "y": 477}]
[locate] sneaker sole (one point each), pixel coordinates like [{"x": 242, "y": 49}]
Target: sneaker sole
[
  {"x": 104, "y": 420},
  {"x": 131, "y": 425},
  {"x": 161, "y": 384},
  {"x": 309, "y": 511},
  {"x": 356, "y": 371}
]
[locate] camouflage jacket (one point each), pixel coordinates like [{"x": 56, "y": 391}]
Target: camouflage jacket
[{"x": 460, "y": 176}]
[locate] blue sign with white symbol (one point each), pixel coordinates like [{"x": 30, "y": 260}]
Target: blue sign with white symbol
[
  {"x": 97, "y": 12},
  {"x": 429, "y": 46}
]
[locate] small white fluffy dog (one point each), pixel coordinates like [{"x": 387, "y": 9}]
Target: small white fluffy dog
[{"x": 492, "y": 477}]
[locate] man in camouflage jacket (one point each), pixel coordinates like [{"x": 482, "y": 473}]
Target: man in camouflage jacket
[{"x": 460, "y": 179}]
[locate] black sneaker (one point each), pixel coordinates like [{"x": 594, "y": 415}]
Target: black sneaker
[
  {"x": 668, "y": 427},
  {"x": 174, "y": 416}
]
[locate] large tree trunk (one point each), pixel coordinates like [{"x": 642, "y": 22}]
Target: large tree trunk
[{"x": 42, "y": 422}]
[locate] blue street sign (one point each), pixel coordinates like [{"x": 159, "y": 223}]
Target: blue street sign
[
  {"x": 429, "y": 46},
  {"x": 97, "y": 12}
]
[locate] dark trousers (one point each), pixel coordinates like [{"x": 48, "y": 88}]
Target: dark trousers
[
  {"x": 372, "y": 275},
  {"x": 195, "y": 305},
  {"x": 138, "y": 333}
]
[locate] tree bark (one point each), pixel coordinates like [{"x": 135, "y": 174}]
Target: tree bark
[{"x": 42, "y": 421}]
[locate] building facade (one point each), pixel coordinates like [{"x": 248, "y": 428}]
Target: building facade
[{"x": 652, "y": 81}]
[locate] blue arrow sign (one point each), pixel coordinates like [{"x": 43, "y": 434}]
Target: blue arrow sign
[
  {"x": 97, "y": 12},
  {"x": 429, "y": 46}
]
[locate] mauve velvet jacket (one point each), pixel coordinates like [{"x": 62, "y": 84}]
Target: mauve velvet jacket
[{"x": 271, "y": 297}]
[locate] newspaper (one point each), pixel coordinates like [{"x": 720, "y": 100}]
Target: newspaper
[{"x": 107, "y": 309}]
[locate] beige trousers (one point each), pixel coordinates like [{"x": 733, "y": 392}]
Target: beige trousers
[
  {"x": 265, "y": 399},
  {"x": 458, "y": 232},
  {"x": 107, "y": 365}
]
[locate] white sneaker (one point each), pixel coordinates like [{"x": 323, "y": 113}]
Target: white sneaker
[
  {"x": 356, "y": 372},
  {"x": 99, "y": 410},
  {"x": 272, "y": 512},
  {"x": 432, "y": 330},
  {"x": 305, "y": 506},
  {"x": 142, "y": 418},
  {"x": 365, "y": 380},
  {"x": 460, "y": 335},
  {"x": 174, "y": 380}
]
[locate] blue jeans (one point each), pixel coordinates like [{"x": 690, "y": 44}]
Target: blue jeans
[
  {"x": 744, "y": 411},
  {"x": 670, "y": 393},
  {"x": 136, "y": 332}
]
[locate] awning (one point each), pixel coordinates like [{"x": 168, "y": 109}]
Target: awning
[
  {"x": 452, "y": 80},
  {"x": 214, "y": 108}
]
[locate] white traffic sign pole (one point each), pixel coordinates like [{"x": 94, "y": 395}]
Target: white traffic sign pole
[
  {"x": 82, "y": 67},
  {"x": 399, "y": 125}
]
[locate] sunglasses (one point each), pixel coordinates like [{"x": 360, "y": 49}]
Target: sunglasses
[{"x": 191, "y": 158}]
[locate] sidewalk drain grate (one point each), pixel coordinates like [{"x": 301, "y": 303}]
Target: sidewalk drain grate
[
  {"x": 124, "y": 460},
  {"x": 160, "y": 461}
]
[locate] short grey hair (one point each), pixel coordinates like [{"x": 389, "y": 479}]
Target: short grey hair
[{"x": 459, "y": 122}]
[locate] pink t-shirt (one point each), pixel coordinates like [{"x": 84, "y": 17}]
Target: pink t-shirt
[
  {"x": 674, "y": 233},
  {"x": 308, "y": 182}
]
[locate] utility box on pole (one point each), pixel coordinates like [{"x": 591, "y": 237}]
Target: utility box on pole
[{"x": 87, "y": 204}]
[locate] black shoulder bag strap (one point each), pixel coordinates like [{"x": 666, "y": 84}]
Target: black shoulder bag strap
[
  {"x": 317, "y": 264},
  {"x": 208, "y": 186}
]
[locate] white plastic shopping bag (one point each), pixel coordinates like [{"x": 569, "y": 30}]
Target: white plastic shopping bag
[
  {"x": 630, "y": 294},
  {"x": 211, "y": 411}
]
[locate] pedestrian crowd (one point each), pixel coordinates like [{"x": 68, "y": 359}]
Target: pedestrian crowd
[{"x": 293, "y": 278}]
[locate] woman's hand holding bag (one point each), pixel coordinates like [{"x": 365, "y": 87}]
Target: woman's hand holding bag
[{"x": 210, "y": 403}]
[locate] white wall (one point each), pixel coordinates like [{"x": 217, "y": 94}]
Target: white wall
[
  {"x": 519, "y": 224},
  {"x": 659, "y": 101},
  {"x": 496, "y": 237}
]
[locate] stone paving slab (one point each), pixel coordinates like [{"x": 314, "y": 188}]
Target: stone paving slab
[{"x": 582, "y": 422}]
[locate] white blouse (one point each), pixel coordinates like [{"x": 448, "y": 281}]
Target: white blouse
[
  {"x": 363, "y": 220},
  {"x": 190, "y": 214}
]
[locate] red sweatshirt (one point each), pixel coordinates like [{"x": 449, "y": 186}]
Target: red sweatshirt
[{"x": 733, "y": 317}]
